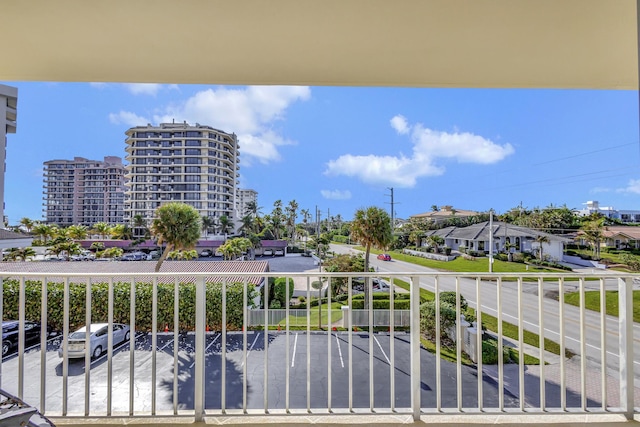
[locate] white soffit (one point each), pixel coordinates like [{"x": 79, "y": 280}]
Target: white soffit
[{"x": 417, "y": 43}]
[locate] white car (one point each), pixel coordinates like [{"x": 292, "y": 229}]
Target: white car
[{"x": 98, "y": 338}]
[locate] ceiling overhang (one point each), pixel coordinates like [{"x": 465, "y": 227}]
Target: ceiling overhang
[{"x": 413, "y": 43}]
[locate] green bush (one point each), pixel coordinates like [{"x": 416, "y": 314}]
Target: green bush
[
  {"x": 340, "y": 239},
  {"x": 428, "y": 319},
  {"x": 381, "y": 304},
  {"x": 121, "y": 304},
  {"x": 280, "y": 290},
  {"x": 490, "y": 352},
  {"x": 449, "y": 297}
]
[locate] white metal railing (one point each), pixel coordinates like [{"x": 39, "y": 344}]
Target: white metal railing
[{"x": 200, "y": 350}]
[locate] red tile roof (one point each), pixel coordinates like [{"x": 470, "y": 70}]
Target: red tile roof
[{"x": 124, "y": 267}]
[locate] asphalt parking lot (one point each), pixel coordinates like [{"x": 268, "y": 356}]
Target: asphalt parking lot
[{"x": 317, "y": 345}]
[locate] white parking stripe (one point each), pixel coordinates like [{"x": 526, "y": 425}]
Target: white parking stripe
[
  {"x": 295, "y": 345},
  {"x": 339, "y": 351},
  {"x": 207, "y": 348},
  {"x": 250, "y": 348},
  {"x": 385, "y": 354}
]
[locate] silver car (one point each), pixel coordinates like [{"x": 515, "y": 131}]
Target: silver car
[{"x": 98, "y": 338}]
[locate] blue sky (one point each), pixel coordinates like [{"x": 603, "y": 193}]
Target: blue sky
[{"x": 341, "y": 148}]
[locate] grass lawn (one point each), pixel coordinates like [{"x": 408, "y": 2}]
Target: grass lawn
[
  {"x": 592, "y": 302},
  {"x": 461, "y": 265},
  {"x": 336, "y": 315},
  {"x": 491, "y": 323}
]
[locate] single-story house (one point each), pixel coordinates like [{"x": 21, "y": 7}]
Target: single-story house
[
  {"x": 444, "y": 213},
  {"x": 619, "y": 237},
  {"x": 476, "y": 238}
]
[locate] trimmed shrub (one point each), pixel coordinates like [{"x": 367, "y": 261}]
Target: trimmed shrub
[
  {"x": 121, "y": 303},
  {"x": 280, "y": 290},
  {"x": 381, "y": 304}
]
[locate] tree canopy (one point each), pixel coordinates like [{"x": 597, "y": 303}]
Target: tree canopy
[{"x": 178, "y": 226}]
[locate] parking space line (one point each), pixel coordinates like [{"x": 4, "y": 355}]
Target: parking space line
[
  {"x": 383, "y": 353},
  {"x": 339, "y": 350},
  {"x": 207, "y": 348},
  {"x": 295, "y": 345},
  {"x": 250, "y": 348}
]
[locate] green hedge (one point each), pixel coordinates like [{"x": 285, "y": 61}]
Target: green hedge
[
  {"x": 121, "y": 304},
  {"x": 380, "y": 304}
]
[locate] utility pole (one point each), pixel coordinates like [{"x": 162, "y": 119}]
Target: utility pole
[
  {"x": 392, "y": 209},
  {"x": 490, "y": 240},
  {"x": 317, "y": 221}
]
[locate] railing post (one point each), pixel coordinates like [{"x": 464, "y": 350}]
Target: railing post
[
  {"x": 198, "y": 401},
  {"x": 415, "y": 347},
  {"x": 625, "y": 318}
]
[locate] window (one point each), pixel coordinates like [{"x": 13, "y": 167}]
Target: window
[
  {"x": 192, "y": 169},
  {"x": 192, "y": 143},
  {"x": 193, "y": 161},
  {"x": 192, "y": 151},
  {"x": 193, "y": 133}
]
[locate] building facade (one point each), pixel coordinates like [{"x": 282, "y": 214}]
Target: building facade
[
  {"x": 623, "y": 215},
  {"x": 84, "y": 192},
  {"x": 194, "y": 164},
  {"x": 245, "y": 196},
  {"x": 8, "y": 122}
]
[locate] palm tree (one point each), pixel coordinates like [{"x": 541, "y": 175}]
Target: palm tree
[
  {"x": 371, "y": 227},
  {"x": 77, "y": 232},
  {"x": 43, "y": 231},
  {"x": 508, "y": 246},
  {"x": 17, "y": 254},
  {"x": 252, "y": 208},
  {"x": 102, "y": 229},
  {"x": 27, "y": 224},
  {"x": 434, "y": 208},
  {"x": 140, "y": 223},
  {"x": 593, "y": 232},
  {"x": 225, "y": 225},
  {"x": 233, "y": 248},
  {"x": 178, "y": 225},
  {"x": 292, "y": 214},
  {"x": 540, "y": 239},
  {"x": 207, "y": 224},
  {"x": 247, "y": 225},
  {"x": 121, "y": 232}
]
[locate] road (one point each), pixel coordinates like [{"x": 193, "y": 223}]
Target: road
[{"x": 550, "y": 316}]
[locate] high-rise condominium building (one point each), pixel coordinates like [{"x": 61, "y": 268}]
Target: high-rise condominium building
[
  {"x": 197, "y": 165},
  {"x": 8, "y": 116},
  {"x": 245, "y": 195},
  {"x": 84, "y": 192}
]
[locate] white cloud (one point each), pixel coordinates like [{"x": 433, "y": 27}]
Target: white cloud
[
  {"x": 399, "y": 123},
  {"x": 336, "y": 194},
  {"x": 98, "y": 85},
  {"x": 143, "y": 88},
  {"x": 429, "y": 146},
  {"x": 250, "y": 113},
  {"x": 633, "y": 186},
  {"x": 127, "y": 118}
]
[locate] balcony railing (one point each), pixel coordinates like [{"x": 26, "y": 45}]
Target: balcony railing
[{"x": 200, "y": 345}]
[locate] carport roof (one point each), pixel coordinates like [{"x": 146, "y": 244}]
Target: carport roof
[
  {"x": 410, "y": 43},
  {"x": 122, "y": 268}
]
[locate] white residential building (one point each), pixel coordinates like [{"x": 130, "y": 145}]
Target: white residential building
[
  {"x": 624, "y": 215},
  {"x": 8, "y": 116},
  {"x": 84, "y": 192},
  {"x": 245, "y": 196},
  {"x": 194, "y": 164}
]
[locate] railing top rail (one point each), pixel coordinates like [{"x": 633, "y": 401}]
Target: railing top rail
[{"x": 474, "y": 275}]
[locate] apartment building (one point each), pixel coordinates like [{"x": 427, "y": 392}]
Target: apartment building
[
  {"x": 623, "y": 215},
  {"x": 245, "y": 196},
  {"x": 82, "y": 191},
  {"x": 8, "y": 116},
  {"x": 194, "y": 164}
]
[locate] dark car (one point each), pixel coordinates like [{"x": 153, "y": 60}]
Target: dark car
[
  {"x": 206, "y": 253},
  {"x": 384, "y": 257},
  {"x": 10, "y": 330}
]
